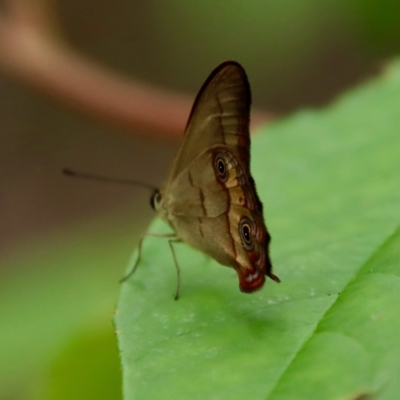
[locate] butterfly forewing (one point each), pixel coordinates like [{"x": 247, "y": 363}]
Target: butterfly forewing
[{"x": 220, "y": 115}]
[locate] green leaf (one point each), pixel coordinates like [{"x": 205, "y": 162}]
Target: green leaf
[
  {"x": 52, "y": 289},
  {"x": 330, "y": 183},
  {"x": 86, "y": 368}
]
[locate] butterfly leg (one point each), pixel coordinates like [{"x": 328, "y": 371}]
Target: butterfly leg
[
  {"x": 178, "y": 271},
  {"x": 133, "y": 269}
]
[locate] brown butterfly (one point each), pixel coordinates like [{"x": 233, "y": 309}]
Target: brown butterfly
[{"x": 209, "y": 199}]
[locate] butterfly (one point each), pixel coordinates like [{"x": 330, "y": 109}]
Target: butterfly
[{"x": 209, "y": 198}]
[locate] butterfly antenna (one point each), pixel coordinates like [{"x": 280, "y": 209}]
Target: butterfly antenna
[{"x": 83, "y": 175}]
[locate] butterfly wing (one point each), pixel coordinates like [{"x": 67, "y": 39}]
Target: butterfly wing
[
  {"x": 210, "y": 197},
  {"x": 220, "y": 115}
]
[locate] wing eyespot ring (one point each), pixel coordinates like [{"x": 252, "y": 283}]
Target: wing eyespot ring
[
  {"x": 246, "y": 233},
  {"x": 221, "y": 167}
]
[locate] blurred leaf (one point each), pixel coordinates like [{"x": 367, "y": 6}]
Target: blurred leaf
[
  {"x": 87, "y": 367},
  {"x": 50, "y": 289},
  {"x": 330, "y": 183},
  {"x": 379, "y": 24}
]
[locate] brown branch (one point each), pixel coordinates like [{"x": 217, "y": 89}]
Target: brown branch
[{"x": 32, "y": 51}]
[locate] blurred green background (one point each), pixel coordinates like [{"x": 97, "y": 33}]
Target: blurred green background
[{"x": 64, "y": 244}]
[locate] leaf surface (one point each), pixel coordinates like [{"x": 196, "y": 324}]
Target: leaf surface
[{"x": 330, "y": 184}]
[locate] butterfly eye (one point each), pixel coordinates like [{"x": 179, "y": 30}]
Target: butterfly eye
[
  {"x": 220, "y": 167},
  {"x": 245, "y": 233},
  {"x": 155, "y": 199}
]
